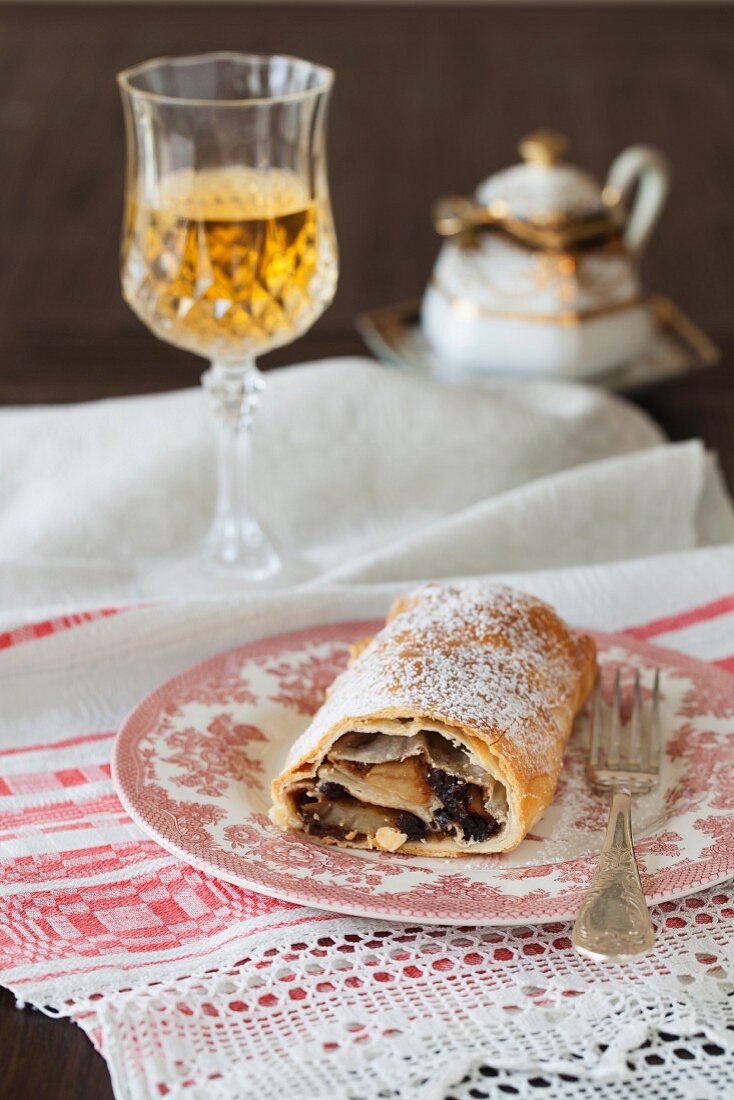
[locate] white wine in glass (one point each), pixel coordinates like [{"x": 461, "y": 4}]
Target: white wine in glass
[{"x": 228, "y": 243}]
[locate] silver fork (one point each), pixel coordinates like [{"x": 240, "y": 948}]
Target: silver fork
[{"x": 614, "y": 921}]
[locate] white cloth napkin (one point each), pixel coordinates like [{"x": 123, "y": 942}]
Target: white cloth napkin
[{"x": 360, "y": 474}]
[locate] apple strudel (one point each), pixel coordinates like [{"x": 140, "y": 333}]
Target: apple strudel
[{"x": 445, "y": 735}]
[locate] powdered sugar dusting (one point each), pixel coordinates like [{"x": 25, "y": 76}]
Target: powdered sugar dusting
[{"x": 485, "y": 657}]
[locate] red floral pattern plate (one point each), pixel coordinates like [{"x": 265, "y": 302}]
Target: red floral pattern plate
[{"x": 194, "y": 761}]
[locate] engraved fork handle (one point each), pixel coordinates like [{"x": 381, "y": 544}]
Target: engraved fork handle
[{"x": 614, "y": 921}]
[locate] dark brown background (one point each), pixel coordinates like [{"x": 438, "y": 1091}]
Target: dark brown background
[{"x": 427, "y": 100}]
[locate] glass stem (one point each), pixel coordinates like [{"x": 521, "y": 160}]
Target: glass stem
[{"x": 236, "y": 541}]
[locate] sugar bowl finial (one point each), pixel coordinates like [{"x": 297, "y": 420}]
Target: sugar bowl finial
[{"x": 544, "y": 147}]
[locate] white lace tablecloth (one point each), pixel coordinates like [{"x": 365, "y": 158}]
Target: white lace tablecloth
[{"x": 192, "y": 987}]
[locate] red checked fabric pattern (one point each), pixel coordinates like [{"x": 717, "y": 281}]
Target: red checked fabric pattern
[
  {"x": 192, "y": 987},
  {"x": 33, "y": 631}
]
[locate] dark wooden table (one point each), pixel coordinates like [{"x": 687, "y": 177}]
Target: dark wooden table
[{"x": 428, "y": 100}]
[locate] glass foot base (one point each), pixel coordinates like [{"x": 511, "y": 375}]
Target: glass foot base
[{"x": 242, "y": 552}]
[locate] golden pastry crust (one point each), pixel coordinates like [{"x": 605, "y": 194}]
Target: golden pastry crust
[{"x": 493, "y": 670}]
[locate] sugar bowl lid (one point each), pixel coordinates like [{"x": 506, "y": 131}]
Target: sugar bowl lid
[
  {"x": 543, "y": 202},
  {"x": 543, "y": 189}
]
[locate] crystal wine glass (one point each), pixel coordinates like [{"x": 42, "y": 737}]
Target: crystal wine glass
[{"x": 228, "y": 246}]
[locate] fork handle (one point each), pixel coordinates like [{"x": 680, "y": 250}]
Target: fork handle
[{"x": 614, "y": 921}]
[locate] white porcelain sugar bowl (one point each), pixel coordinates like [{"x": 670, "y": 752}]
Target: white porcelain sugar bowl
[{"x": 539, "y": 271}]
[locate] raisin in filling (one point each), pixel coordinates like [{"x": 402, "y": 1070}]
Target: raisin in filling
[
  {"x": 411, "y": 826},
  {"x": 451, "y": 790},
  {"x": 456, "y": 795},
  {"x": 333, "y": 791}
]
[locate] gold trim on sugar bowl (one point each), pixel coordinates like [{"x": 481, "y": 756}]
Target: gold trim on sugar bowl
[
  {"x": 569, "y": 319},
  {"x": 457, "y": 216}
]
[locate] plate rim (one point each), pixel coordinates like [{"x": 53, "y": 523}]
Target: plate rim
[{"x": 295, "y": 897}]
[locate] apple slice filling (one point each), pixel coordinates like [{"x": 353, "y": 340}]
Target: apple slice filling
[{"x": 391, "y": 788}]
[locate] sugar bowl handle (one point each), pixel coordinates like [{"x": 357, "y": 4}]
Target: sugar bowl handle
[{"x": 649, "y": 170}]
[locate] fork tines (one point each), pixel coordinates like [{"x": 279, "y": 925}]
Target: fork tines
[{"x": 625, "y": 753}]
